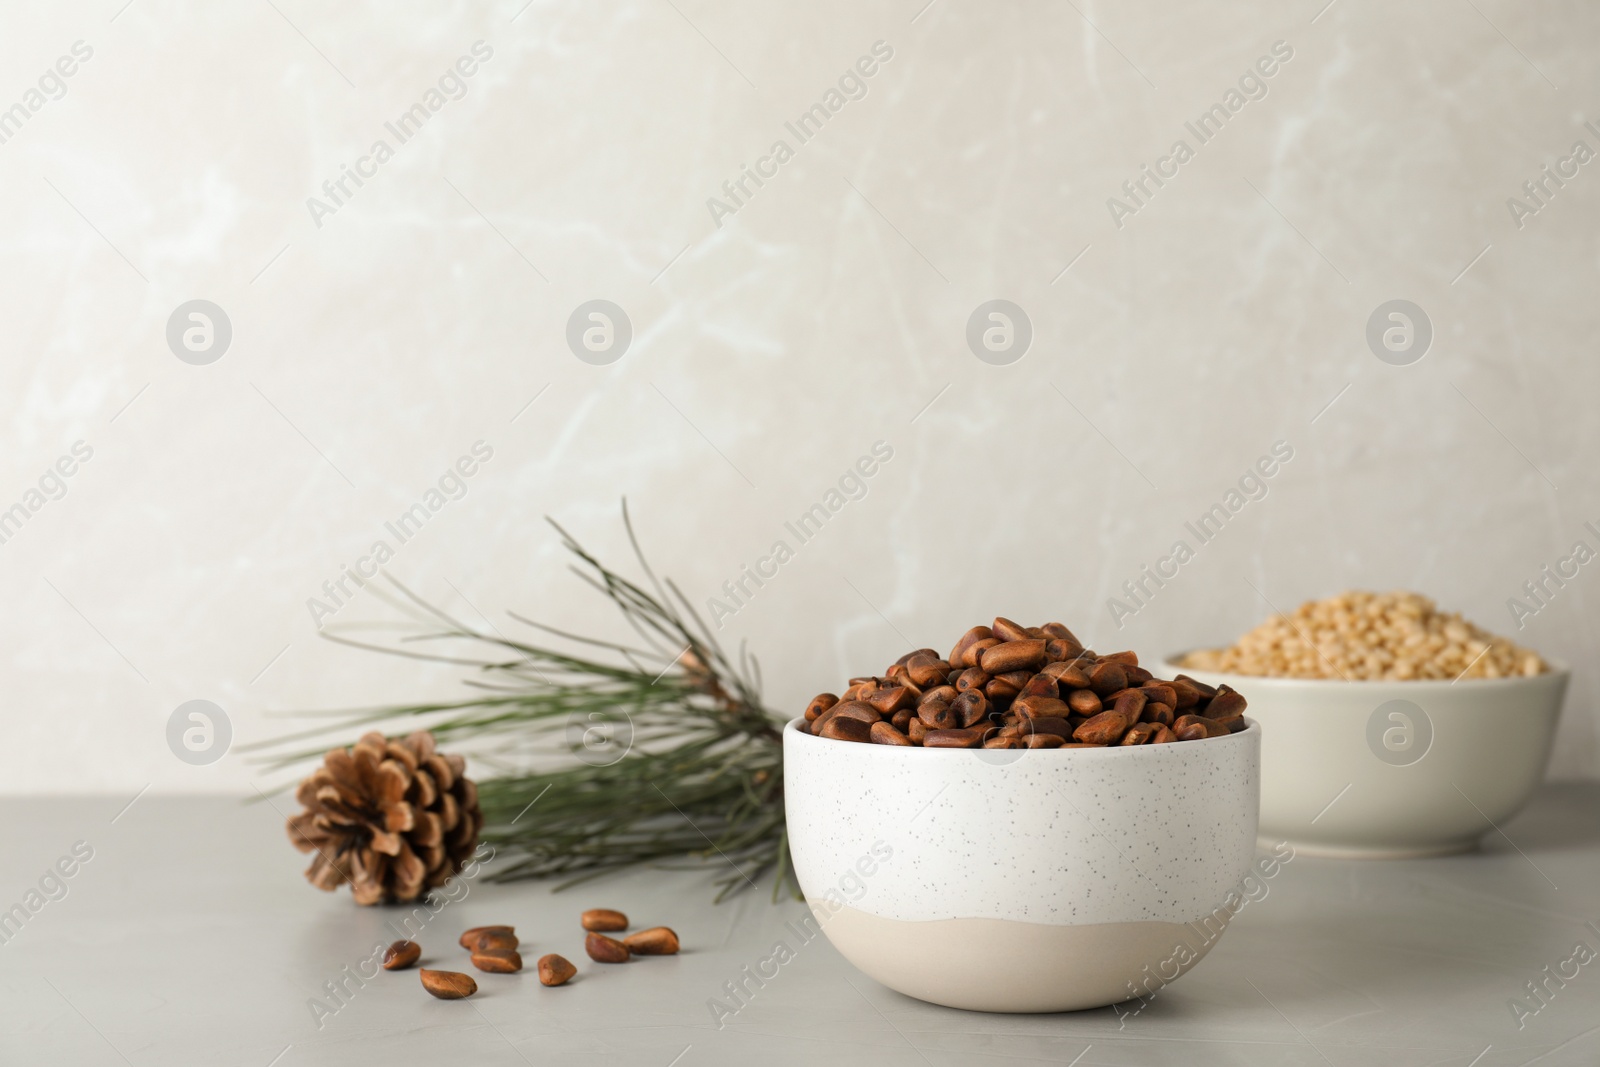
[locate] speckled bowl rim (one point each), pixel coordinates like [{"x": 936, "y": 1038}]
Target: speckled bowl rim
[
  {"x": 792, "y": 727},
  {"x": 1558, "y": 669}
]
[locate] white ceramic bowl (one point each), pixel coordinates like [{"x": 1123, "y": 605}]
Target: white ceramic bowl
[
  {"x": 1395, "y": 769},
  {"x": 1022, "y": 880}
]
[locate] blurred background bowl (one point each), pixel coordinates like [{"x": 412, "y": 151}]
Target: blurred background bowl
[
  {"x": 1026, "y": 880},
  {"x": 1395, "y": 769}
]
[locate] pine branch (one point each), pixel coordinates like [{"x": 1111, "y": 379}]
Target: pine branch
[{"x": 663, "y": 749}]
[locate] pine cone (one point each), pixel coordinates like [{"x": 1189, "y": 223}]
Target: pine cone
[{"x": 391, "y": 817}]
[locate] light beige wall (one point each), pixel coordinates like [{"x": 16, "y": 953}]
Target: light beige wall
[{"x": 771, "y": 351}]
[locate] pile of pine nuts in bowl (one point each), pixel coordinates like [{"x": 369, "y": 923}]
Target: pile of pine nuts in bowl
[
  {"x": 1007, "y": 686},
  {"x": 1389, "y": 728}
]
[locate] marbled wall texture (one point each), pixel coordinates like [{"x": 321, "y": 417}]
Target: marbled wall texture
[{"x": 400, "y": 216}]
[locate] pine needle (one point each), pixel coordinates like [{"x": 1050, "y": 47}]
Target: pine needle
[{"x": 663, "y": 751}]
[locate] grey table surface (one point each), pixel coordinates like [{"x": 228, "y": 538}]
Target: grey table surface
[{"x": 189, "y": 937}]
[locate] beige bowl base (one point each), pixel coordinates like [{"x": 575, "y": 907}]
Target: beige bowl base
[
  {"x": 1000, "y": 965},
  {"x": 1368, "y": 852}
]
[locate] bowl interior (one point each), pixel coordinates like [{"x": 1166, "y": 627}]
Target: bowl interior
[{"x": 1110, "y": 751}]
